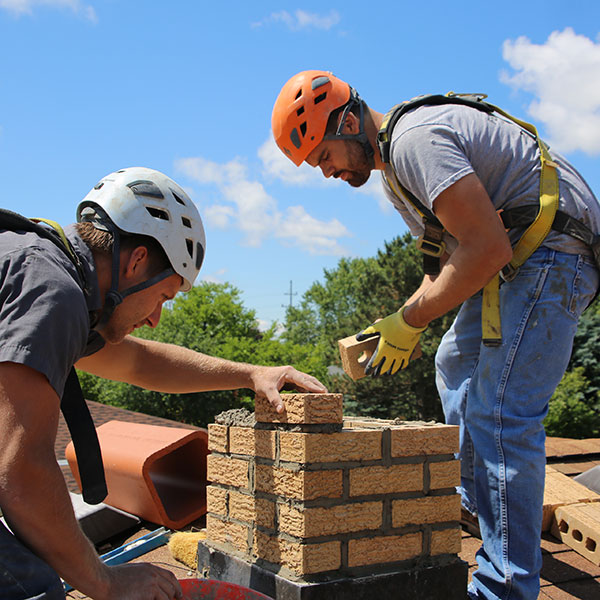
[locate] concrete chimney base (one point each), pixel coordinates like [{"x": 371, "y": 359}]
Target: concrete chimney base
[{"x": 446, "y": 580}]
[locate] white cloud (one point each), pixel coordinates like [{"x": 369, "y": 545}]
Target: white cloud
[
  {"x": 250, "y": 208},
  {"x": 302, "y": 19},
  {"x": 25, "y": 7},
  {"x": 216, "y": 277},
  {"x": 564, "y": 76}
]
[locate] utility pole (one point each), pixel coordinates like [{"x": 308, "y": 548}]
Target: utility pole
[{"x": 290, "y": 294}]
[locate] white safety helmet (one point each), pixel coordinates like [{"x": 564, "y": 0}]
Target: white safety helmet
[{"x": 143, "y": 201}]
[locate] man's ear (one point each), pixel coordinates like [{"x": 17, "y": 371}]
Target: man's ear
[
  {"x": 351, "y": 124},
  {"x": 136, "y": 264}
]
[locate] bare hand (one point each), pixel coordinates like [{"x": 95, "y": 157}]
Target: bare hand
[
  {"x": 141, "y": 581},
  {"x": 269, "y": 381}
]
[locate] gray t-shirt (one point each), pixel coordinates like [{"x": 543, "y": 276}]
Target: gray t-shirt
[
  {"x": 435, "y": 146},
  {"x": 44, "y": 314}
]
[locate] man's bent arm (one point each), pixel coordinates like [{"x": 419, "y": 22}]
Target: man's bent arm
[{"x": 467, "y": 212}]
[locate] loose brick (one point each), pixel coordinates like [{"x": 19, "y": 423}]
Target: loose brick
[
  {"x": 302, "y": 409},
  {"x": 301, "y": 485},
  {"x": 301, "y": 559},
  {"x": 386, "y": 480},
  {"x": 218, "y": 438},
  {"x": 252, "y": 442},
  {"x": 446, "y": 541},
  {"x": 578, "y": 526},
  {"x": 314, "y": 522},
  {"x": 384, "y": 549},
  {"x": 227, "y": 534},
  {"x": 417, "y": 440},
  {"x": 216, "y": 500},
  {"x": 348, "y": 445},
  {"x": 245, "y": 507},
  {"x": 355, "y": 355},
  {"x": 561, "y": 490},
  {"x": 227, "y": 471},
  {"x": 430, "y": 509},
  {"x": 444, "y": 474}
]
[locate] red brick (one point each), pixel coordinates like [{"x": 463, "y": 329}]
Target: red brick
[
  {"x": 301, "y": 485},
  {"x": 446, "y": 541},
  {"x": 430, "y": 509},
  {"x": 227, "y": 471},
  {"x": 348, "y": 445},
  {"x": 423, "y": 439},
  {"x": 384, "y": 549},
  {"x": 252, "y": 442},
  {"x": 444, "y": 474},
  {"x": 313, "y": 522},
  {"x": 301, "y": 559},
  {"x": 218, "y": 438},
  {"x": 302, "y": 409},
  {"x": 386, "y": 480}
]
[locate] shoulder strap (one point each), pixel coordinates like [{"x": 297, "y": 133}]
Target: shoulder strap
[{"x": 73, "y": 406}]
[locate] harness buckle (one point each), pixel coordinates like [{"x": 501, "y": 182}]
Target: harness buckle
[
  {"x": 509, "y": 272},
  {"x": 430, "y": 247}
]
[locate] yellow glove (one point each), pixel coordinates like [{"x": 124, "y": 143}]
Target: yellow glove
[{"x": 397, "y": 340}]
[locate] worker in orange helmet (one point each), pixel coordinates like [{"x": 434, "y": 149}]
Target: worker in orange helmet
[{"x": 451, "y": 165}]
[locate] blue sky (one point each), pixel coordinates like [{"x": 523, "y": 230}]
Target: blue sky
[{"x": 187, "y": 87}]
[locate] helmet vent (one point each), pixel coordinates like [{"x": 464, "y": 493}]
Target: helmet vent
[
  {"x": 146, "y": 188},
  {"x": 186, "y": 222},
  {"x": 190, "y": 247},
  {"x": 99, "y": 185},
  {"x": 295, "y": 138},
  {"x": 178, "y": 199},
  {"x": 300, "y": 111},
  {"x": 199, "y": 255},
  {"x": 158, "y": 213},
  {"x": 298, "y": 94},
  {"x": 303, "y": 129},
  {"x": 320, "y": 97},
  {"x": 317, "y": 82}
]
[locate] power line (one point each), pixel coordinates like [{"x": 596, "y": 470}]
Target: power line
[{"x": 290, "y": 294}]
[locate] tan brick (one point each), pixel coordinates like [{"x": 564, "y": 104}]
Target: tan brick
[
  {"x": 386, "y": 480},
  {"x": 384, "y": 549},
  {"x": 313, "y": 522},
  {"x": 420, "y": 511},
  {"x": 301, "y": 559},
  {"x": 216, "y": 500},
  {"x": 252, "y": 442},
  {"x": 355, "y": 355},
  {"x": 444, "y": 474},
  {"x": 302, "y": 408},
  {"x": 423, "y": 439},
  {"x": 561, "y": 490},
  {"x": 578, "y": 526},
  {"x": 218, "y": 438},
  {"x": 301, "y": 485},
  {"x": 227, "y": 471},
  {"x": 227, "y": 534},
  {"x": 446, "y": 541},
  {"x": 330, "y": 447},
  {"x": 245, "y": 507}
]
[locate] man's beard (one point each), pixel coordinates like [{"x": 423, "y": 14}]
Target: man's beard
[{"x": 359, "y": 166}]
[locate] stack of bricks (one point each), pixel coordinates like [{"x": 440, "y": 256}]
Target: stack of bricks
[{"x": 308, "y": 495}]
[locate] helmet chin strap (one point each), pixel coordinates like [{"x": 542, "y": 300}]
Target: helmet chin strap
[
  {"x": 360, "y": 137},
  {"x": 113, "y": 296}
]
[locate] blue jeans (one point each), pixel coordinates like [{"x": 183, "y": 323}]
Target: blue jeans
[
  {"x": 499, "y": 398},
  {"x": 24, "y": 576}
]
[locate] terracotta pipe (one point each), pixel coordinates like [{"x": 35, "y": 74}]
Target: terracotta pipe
[{"x": 157, "y": 473}]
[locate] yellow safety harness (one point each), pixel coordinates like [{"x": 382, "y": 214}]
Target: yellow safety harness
[{"x": 431, "y": 242}]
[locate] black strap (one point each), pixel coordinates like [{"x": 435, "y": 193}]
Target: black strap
[{"x": 85, "y": 439}]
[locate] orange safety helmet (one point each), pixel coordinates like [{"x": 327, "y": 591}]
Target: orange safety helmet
[{"x": 302, "y": 110}]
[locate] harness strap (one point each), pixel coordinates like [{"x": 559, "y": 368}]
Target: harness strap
[{"x": 73, "y": 405}]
